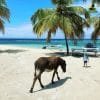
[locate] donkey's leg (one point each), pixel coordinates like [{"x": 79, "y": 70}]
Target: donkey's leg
[
  {"x": 57, "y": 75},
  {"x": 34, "y": 81},
  {"x": 53, "y": 77},
  {"x": 39, "y": 78}
]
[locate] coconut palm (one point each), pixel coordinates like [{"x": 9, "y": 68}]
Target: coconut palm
[
  {"x": 96, "y": 31},
  {"x": 63, "y": 17},
  {"x": 95, "y": 21},
  {"x": 4, "y": 14}
]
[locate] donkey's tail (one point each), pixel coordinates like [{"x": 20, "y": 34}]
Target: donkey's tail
[
  {"x": 35, "y": 68},
  {"x": 35, "y": 72}
]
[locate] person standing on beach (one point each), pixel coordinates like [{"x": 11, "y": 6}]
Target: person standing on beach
[{"x": 85, "y": 59}]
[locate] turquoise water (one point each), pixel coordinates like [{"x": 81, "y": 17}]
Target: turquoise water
[{"x": 39, "y": 43}]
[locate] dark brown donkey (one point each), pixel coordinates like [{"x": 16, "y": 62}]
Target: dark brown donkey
[{"x": 47, "y": 64}]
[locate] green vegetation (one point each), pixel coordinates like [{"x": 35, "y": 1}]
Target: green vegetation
[
  {"x": 96, "y": 32},
  {"x": 95, "y": 20},
  {"x": 4, "y": 14}
]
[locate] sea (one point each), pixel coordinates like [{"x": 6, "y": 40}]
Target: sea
[{"x": 54, "y": 44}]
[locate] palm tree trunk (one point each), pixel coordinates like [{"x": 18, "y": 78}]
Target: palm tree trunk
[
  {"x": 48, "y": 37},
  {"x": 67, "y": 47},
  {"x": 75, "y": 42},
  {"x": 66, "y": 41}
]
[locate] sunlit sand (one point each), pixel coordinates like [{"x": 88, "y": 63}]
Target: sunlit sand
[{"x": 17, "y": 72}]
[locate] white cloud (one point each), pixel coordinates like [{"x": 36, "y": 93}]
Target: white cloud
[
  {"x": 21, "y": 31},
  {"x": 88, "y": 32},
  {"x": 25, "y": 31}
]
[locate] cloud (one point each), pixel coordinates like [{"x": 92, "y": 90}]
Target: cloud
[
  {"x": 21, "y": 28},
  {"x": 20, "y": 31},
  {"x": 88, "y": 32},
  {"x": 25, "y": 31}
]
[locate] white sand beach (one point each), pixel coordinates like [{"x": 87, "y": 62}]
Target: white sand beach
[{"x": 17, "y": 69}]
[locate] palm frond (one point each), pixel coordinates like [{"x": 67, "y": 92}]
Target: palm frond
[
  {"x": 46, "y": 24},
  {"x": 96, "y": 32},
  {"x": 77, "y": 23},
  {"x": 62, "y": 2},
  {"x": 2, "y": 25},
  {"x": 2, "y": 2},
  {"x": 79, "y": 10},
  {"x": 71, "y": 24},
  {"x": 39, "y": 14},
  {"x": 4, "y": 13},
  {"x": 66, "y": 25},
  {"x": 95, "y": 19}
]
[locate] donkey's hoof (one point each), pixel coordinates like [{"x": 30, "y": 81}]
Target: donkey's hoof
[
  {"x": 58, "y": 78},
  {"x": 53, "y": 82},
  {"x": 31, "y": 91},
  {"x": 42, "y": 86}
]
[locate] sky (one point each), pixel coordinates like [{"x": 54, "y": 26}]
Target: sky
[{"x": 20, "y": 24}]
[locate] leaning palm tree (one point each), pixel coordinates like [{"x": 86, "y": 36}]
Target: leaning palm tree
[
  {"x": 95, "y": 21},
  {"x": 63, "y": 17},
  {"x": 4, "y": 14},
  {"x": 96, "y": 32}
]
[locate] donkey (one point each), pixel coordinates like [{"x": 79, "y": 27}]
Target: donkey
[{"x": 47, "y": 64}]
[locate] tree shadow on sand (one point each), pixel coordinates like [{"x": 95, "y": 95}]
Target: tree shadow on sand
[
  {"x": 55, "y": 85},
  {"x": 11, "y": 51},
  {"x": 75, "y": 54},
  {"x": 61, "y": 54}
]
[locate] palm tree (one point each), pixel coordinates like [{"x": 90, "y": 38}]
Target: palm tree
[
  {"x": 63, "y": 17},
  {"x": 96, "y": 22},
  {"x": 4, "y": 14},
  {"x": 96, "y": 31}
]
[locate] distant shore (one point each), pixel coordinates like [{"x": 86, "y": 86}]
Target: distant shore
[{"x": 17, "y": 72}]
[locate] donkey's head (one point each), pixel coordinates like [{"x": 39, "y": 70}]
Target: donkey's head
[{"x": 63, "y": 64}]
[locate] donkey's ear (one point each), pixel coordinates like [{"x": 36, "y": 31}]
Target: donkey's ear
[{"x": 59, "y": 59}]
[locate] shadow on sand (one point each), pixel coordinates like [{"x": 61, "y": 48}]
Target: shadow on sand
[
  {"x": 86, "y": 66},
  {"x": 81, "y": 55},
  {"x": 55, "y": 85},
  {"x": 61, "y": 54},
  {"x": 11, "y": 51},
  {"x": 76, "y": 54}
]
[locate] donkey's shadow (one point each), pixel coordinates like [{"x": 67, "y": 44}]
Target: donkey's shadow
[{"x": 55, "y": 85}]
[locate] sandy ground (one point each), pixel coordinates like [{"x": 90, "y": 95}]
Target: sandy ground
[{"x": 17, "y": 69}]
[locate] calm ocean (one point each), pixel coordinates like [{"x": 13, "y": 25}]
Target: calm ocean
[{"x": 39, "y": 43}]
